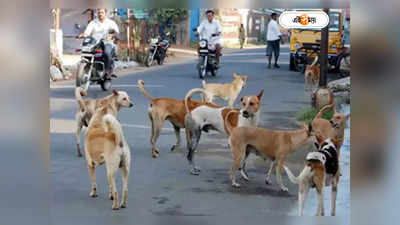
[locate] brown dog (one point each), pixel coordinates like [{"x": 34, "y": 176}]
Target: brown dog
[
  {"x": 312, "y": 74},
  {"x": 333, "y": 128},
  {"x": 105, "y": 143},
  {"x": 228, "y": 92},
  {"x": 170, "y": 109},
  {"x": 276, "y": 145},
  {"x": 86, "y": 109},
  {"x": 321, "y": 169}
]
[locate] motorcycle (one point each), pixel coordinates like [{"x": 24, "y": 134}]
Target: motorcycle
[
  {"x": 91, "y": 68},
  {"x": 207, "y": 56},
  {"x": 157, "y": 50}
]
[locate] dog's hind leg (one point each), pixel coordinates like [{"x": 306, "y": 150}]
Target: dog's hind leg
[
  {"x": 78, "y": 135},
  {"x": 320, "y": 193},
  {"x": 193, "y": 137},
  {"x": 111, "y": 171},
  {"x": 177, "y": 131},
  {"x": 304, "y": 189},
  {"x": 335, "y": 182},
  {"x": 268, "y": 175},
  {"x": 92, "y": 174},
  {"x": 125, "y": 176},
  {"x": 156, "y": 126}
]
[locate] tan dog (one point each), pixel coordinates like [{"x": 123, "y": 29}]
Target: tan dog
[
  {"x": 170, "y": 109},
  {"x": 276, "y": 145},
  {"x": 218, "y": 118},
  {"x": 330, "y": 129},
  {"x": 86, "y": 109},
  {"x": 321, "y": 169},
  {"x": 105, "y": 143},
  {"x": 228, "y": 92},
  {"x": 312, "y": 74}
]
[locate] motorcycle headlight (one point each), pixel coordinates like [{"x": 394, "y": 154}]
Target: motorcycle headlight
[
  {"x": 297, "y": 45},
  {"x": 202, "y": 44}
]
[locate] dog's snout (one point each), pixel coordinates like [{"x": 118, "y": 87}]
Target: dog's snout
[{"x": 246, "y": 114}]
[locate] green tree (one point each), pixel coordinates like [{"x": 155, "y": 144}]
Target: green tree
[{"x": 164, "y": 15}]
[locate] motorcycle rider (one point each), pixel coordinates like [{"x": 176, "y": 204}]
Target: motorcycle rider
[
  {"x": 99, "y": 28},
  {"x": 211, "y": 29}
]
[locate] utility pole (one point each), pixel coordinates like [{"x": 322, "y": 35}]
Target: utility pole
[
  {"x": 324, "y": 54},
  {"x": 323, "y": 96},
  {"x": 128, "y": 34}
]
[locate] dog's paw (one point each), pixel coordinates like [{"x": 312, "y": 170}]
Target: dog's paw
[
  {"x": 115, "y": 207},
  {"x": 267, "y": 181},
  {"x": 93, "y": 195},
  {"x": 123, "y": 205},
  {"x": 174, "y": 147},
  {"x": 284, "y": 189},
  {"x": 194, "y": 172},
  {"x": 235, "y": 185},
  {"x": 154, "y": 155}
]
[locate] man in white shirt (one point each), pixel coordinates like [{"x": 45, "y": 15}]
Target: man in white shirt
[
  {"x": 211, "y": 30},
  {"x": 99, "y": 28},
  {"x": 273, "y": 39}
]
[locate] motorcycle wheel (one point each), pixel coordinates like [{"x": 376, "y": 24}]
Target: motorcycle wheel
[
  {"x": 105, "y": 85},
  {"x": 79, "y": 80},
  {"x": 149, "y": 60}
]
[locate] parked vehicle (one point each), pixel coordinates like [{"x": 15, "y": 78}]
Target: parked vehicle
[
  {"x": 91, "y": 68},
  {"x": 207, "y": 57},
  {"x": 305, "y": 44},
  {"x": 157, "y": 50}
]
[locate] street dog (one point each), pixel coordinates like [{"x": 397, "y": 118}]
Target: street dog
[
  {"x": 276, "y": 145},
  {"x": 333, "y": 128},
  {"x": 312, "y": 74},
  {"x": 321, "y": 169},
  {"x": 87, "y": 107},
  {"x": 161, "y": 109},
  {"x": 105, "y": 143},
  {"x": 212, "y": 117},
  {"x": 228, "y": 92}
]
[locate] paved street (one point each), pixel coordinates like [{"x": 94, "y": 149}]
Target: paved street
[{"x": 162, "y": 189}]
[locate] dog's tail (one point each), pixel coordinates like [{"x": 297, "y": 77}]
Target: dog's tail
[
  {"x": 296, "y": 180},
  {"x": 79, "y": 92},
  {"x": 315, "y": 61},
  {"x": 189, "y": 95},
  {"x": 141, "y": 88},
  {"x": 228, "y": 124},
  {"x": 322, "y": 110},
  {"x": 111, "y": 124}
]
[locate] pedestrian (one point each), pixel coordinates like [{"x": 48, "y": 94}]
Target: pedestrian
[
  {"x": 242, "y": 35},
  {"x": 273, "y": 39}
]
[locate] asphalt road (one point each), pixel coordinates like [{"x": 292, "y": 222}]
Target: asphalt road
[{"x": 162, "y": 190}]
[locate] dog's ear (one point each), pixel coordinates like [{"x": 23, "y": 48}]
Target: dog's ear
[
  {"x": 241, "y": 99},
  {"x": 259, "y": 96},
  {"x": 115, "y": 92},
  {"x": 244, "y": 78},
  {"x": 234, "y": 75}
]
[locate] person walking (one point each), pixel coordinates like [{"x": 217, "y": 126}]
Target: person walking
[
  {"x": 273, "y": 40},
  {"x": 242, "y": 35}
]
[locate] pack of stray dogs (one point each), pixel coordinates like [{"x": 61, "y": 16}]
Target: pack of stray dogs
[{"x": 105, "y": 142}]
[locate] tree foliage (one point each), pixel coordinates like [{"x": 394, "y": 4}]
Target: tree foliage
[{"x": 164, "y": 15}]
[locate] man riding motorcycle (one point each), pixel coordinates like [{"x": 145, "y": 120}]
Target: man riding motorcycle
[
  {"x": 99, "y": 28},
  {"x": 211, "y": 30}
]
